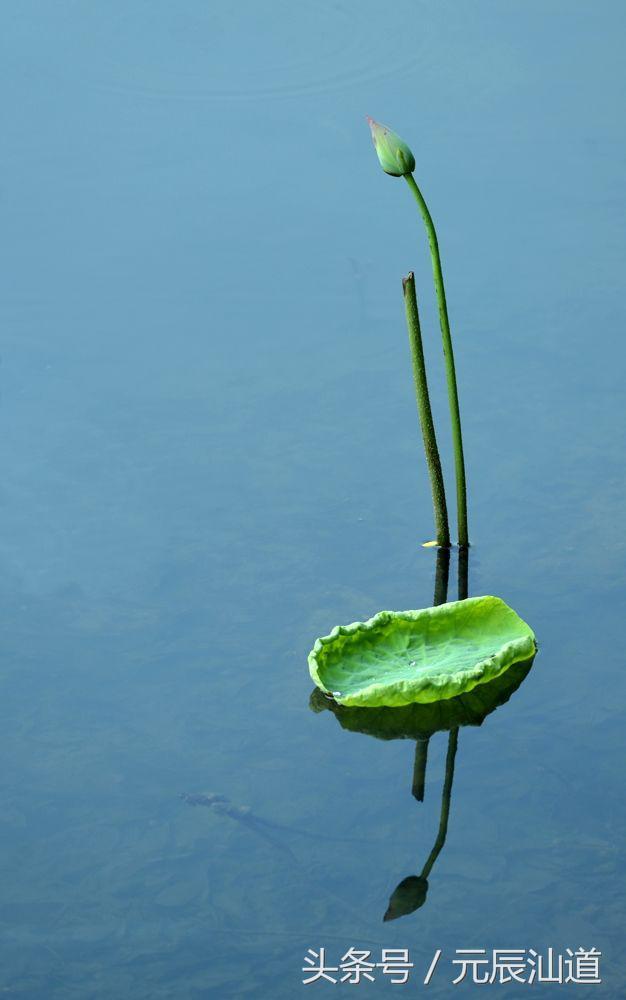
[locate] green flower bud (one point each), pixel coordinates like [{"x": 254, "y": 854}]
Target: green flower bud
[{"x": 395, "y": 156}]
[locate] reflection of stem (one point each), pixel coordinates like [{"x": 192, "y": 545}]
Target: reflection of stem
[
  {"x": 445, "y": 803},
  {"x": 453, "y": 395},
  {"x": 425, "y": 413},
  {"x": 442, "y": 572},
  {"x": 463, "y": 584},
  {"x": 419, "y": 768}
]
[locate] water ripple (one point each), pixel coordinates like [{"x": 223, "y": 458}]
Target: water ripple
[{"x": 244, "y": 52}]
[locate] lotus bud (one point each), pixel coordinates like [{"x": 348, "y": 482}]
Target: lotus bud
[{"x": 393, "y": 153}]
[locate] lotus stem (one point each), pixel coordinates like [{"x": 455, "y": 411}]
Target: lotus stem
[
  {"x": 425, "y": 413},
  {"x": 453, "y": 395}
]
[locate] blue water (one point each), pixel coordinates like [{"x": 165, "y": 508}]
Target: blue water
[{"x": 211, "y": 456}]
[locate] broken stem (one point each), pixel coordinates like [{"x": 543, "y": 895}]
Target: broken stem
[{"x": 425, "y": 412}]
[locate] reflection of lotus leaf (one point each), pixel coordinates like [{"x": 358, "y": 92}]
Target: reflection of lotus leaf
[
  {"x": 414, "y": 722},
  {"x": 400, "y": 657}
]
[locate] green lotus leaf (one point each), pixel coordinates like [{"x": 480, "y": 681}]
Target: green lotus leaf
[
  {"x": 401, "y": 657},
  {"x": 415, "y": 721}
]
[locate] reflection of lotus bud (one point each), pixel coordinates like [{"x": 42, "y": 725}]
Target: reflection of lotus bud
[
  {"x": 395, "y": 156},
  {"x": 408, "y": 896}
]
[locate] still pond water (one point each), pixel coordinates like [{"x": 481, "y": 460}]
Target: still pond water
[{"x": 210, "y": 456}]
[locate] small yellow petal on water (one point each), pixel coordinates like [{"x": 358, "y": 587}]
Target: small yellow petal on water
[{"x": 429, "y": 545}]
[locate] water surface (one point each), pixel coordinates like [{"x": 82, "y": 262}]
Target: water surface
[{"x": 210, "y": 456}]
